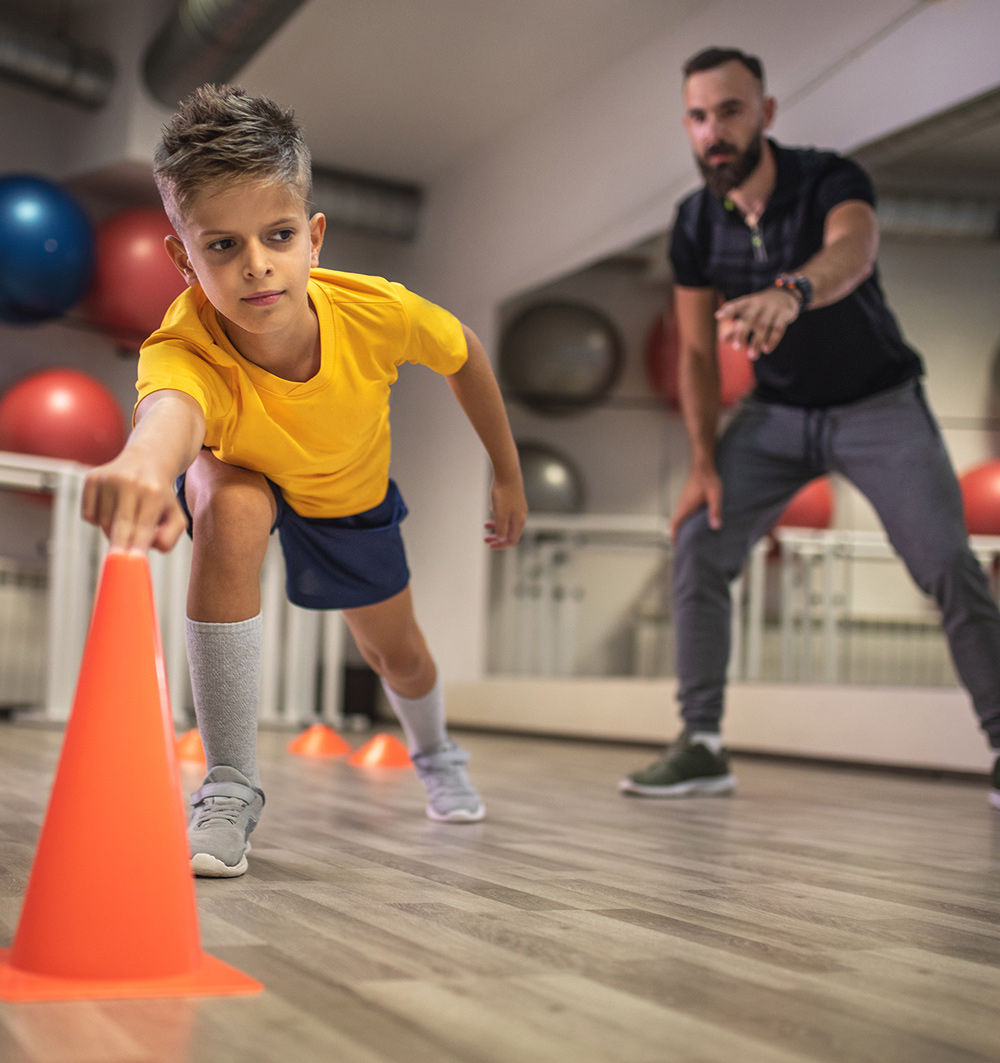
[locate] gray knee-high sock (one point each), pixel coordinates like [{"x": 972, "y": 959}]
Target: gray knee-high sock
[
  {"x": 225, "y": 676},
  {"x": 422, "y": 718}
]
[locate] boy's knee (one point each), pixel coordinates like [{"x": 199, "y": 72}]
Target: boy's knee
[
  {"x": 241, "y": 508},
  {"x": 399, "y": 662}
]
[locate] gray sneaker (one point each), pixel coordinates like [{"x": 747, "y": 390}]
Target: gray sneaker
[
  {"x": 995, "y": 780},
  {"x": 223, "y": 813},
  {"x": 685, "y": 769},
  {"x": 451, "y": 797}
]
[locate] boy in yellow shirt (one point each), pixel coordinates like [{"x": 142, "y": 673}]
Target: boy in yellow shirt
[{"x": 263, "y": 404}]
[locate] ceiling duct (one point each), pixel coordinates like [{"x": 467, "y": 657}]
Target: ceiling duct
[
  {"x": 55, "y": 66},
  {"x": 209, "y": 41},
  {"x": 370, "y": 205},
  {"x": 938, "y": 218}
]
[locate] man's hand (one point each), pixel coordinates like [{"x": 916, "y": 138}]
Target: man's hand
[
  {"x": 702, "y": 488},
  {"x": 757, "y": 321},
  {"x": 135, "y": 508}
]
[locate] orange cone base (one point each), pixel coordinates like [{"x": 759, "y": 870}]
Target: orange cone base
[
  {"x": 211, "y": 977},
  {"x": 383, "y": 751},
  {"x": 189, "y": 746},
  {"x": 319, "y": 741}
]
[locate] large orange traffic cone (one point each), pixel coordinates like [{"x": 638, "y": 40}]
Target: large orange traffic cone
[
  {"x": 383, "y": 751},
  {"x": 319, "y": 741},
  {"x": 110, "y": 906}
]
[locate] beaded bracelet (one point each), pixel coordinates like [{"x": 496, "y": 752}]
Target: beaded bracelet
[{"x": 799, "y": 285}]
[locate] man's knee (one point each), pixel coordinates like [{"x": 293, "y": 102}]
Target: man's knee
[{"x": 701, "y": 551}]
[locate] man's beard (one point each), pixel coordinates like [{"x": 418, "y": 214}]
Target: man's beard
[{"x": 721, "y": 178}]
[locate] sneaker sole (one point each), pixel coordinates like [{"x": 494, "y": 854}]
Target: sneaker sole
[
  {"x": 204, "y": 865},
  {"x": 715, "y": 786},
  {"x": 460, "y": 815}
]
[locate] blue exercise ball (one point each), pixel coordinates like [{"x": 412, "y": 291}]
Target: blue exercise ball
[{"x": 46, "y": 250}]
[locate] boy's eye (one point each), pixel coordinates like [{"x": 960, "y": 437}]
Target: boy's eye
[
  {"x": 225, "y": 244},
  {"x": 284, "y": 235}
]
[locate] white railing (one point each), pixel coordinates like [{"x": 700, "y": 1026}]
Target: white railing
[
  {"x": 303, "y": 649},
  {"x": 543, "y": 606},
  {"x": 821, "y": 582},
  {"x": 582, "y": 595},
  {"x": 828, "y": 606}
]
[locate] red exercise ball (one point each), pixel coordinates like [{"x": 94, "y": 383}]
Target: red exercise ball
[
  {"x": 735, "y": 368},
  {"x": 62, "y": 413},
  {"x": 134, "y": 279},
  {"x": 981, "y": 498},
  {"x": 810, "y": 507}
]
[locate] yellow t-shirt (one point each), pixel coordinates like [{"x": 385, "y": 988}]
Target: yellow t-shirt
[{"x": 325, "y": 441}]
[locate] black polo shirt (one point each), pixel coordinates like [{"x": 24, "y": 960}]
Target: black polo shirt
[{"x": 837, "y": 354}]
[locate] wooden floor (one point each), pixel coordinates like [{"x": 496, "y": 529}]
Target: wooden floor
[{"x": 819, "y": 914}]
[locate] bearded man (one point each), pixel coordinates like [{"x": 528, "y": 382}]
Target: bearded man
[{"x": 777, "y": 254}]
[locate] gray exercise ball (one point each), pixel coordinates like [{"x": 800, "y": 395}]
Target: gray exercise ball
[
  {"x": 560, "y": 357},
  {"x": 552, "y": 483}
]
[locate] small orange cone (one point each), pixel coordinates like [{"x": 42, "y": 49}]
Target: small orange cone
[
  {"x": 383, "y": 751},
  {"x": 189, "y": 746},
  {"x": 319, "y": 741},
  {"x": 110, "y": 906}
]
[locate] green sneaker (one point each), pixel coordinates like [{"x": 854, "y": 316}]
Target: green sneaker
[
  {"x": 995, "y": 792},
  {"x": 685, "y": 769}
]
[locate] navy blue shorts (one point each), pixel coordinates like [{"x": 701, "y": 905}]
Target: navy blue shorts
[{"x": 339, "y": 562}]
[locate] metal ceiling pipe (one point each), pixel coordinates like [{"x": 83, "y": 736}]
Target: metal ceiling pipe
[
  {"x": 209, "y": 41},
  {"x": 58, "y": 68}
]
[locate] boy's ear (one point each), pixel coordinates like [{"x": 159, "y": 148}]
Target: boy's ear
[
  {"x": 317, "y": 227},
  {"x": 179, "y": 257}
]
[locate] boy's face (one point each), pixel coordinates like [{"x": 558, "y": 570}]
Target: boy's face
[{"x": 250, "y": 246}]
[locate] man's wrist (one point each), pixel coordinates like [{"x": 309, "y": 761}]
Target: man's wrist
[{"x": 796, "y": 284}]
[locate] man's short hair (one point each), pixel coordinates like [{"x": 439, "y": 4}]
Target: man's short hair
[
  {"x": 221, "y": 134},
  {"x": 710, "y": 58}
]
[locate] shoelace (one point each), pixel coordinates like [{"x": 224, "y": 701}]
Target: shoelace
[
  {"x": 445, "y": 773},
  {"x": 212, "y": 809}
]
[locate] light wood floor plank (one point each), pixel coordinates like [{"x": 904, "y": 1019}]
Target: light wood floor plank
[{"x": 820, "y": 915}]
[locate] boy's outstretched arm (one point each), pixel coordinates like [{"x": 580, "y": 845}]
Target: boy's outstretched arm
[
  {"x": 478, "y": 393},
  {"x": 132, "y": 496}
]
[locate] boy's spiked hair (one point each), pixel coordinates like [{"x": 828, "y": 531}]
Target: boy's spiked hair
[{"x": 222, "y": 134}]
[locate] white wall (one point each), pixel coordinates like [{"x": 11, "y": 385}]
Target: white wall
[{"x": 593, "y": 170}]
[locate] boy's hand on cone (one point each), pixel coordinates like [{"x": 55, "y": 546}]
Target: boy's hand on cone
[{"x": 134, "y": 506}]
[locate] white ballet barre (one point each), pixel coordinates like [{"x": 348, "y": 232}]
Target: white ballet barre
[
  {"x": 297, "y": 642},
  {"x": 538, "y": 598},
  {"x": 70, "y": 576},
  {"x": 537, "y": 609},
  {"x": 802, "y": 552}
]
